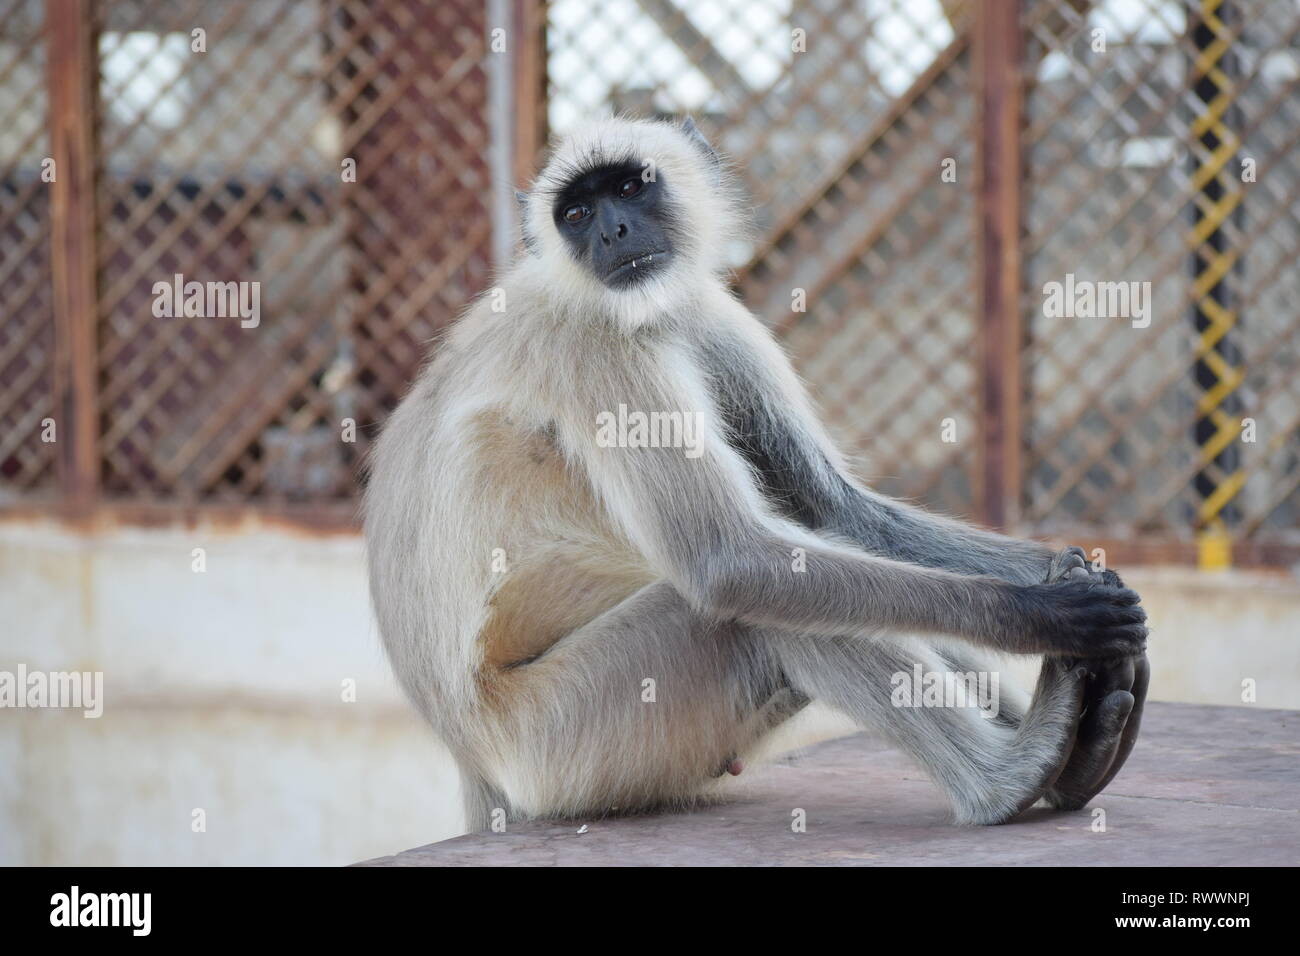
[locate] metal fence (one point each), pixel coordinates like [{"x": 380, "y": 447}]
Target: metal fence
[
  {"x": 285, "y": 153},
  {"x": 1170, "y": 157},
  {"x": 27, "y": 464},
  {"x": 326, "y": 159},
  {"x": 923, "y": 173}
]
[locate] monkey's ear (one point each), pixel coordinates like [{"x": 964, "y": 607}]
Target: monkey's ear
[{"x": 697, "y": 138}]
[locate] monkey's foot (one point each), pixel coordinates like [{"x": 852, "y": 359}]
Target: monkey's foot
[
  {"x": 1031, "y": 762},
  {"x": 1071, "y": 564},
  {"x": 1114, "y": 695}
]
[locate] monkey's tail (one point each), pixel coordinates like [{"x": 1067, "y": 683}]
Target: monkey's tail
[{"x": 481, "y": 799}]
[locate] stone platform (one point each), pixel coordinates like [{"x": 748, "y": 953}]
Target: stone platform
[{"x": 1205, "y": 786}]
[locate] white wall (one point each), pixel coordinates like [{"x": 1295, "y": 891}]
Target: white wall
[{"x": 223, "y": 692}]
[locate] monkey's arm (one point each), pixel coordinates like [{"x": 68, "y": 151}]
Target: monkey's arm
[
  {"x": 771, "y": 422},
  {"x": 701, "y": 522},
  {"x": 886, "y": 526}
]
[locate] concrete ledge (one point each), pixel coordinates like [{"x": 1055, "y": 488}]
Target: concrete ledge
[{"x": 1206, "y": 786}]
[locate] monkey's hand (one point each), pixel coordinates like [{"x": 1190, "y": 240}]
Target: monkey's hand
[
  {"x": 1078, "y": 618},
  {"x": 1113, "y": 697}
]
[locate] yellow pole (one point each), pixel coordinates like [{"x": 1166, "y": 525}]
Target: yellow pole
[{"x": 1217, "y": 370}]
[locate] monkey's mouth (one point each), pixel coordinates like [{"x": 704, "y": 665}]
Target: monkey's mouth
[{"x": 634, "y": 268}]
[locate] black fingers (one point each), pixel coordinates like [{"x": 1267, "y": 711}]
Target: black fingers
[{"x": 1084, "y": 619}]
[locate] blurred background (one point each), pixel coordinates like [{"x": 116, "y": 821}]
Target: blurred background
[{"x": 178, "y": 495}]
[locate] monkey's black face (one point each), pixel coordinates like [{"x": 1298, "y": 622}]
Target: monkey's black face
[{"x": 617, "y": 223}]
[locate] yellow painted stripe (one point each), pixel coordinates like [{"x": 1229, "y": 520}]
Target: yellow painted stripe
[
  {"x": 1227, "y": 431},
  {"x": 1215, "y": 269},
  {"x": 1215, "y": 216},
  {"x": 1215, "y": 163},
  {"x": 1226, "y": 491},
  {"x": 1213, "y": 550},
  {"x": 1214, "y": 544}
]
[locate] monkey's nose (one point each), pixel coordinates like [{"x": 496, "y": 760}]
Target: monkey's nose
[{"x": 619, "y": 233}]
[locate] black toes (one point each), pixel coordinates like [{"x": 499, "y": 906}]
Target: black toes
[{"x": 1097, "y": 746}]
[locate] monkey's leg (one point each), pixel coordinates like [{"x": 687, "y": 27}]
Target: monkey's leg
[
  {"x": 1113, "y": 697},
  {"x": 991, "y": 771},
  {"x": 639, "y": 708}
]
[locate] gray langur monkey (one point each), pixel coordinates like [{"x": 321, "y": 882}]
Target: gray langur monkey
[{"x": 596, "y": 620}]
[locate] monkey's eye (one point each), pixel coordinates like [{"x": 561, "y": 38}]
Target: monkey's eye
[
  {"x": 576, "y": 213},
  {"x": 630, "y": 188}
]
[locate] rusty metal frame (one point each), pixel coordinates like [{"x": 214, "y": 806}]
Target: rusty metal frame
[
  {"x": 998, "y": 54},
  {"x": 996, "y": 38},
  {"x": 72, "y": 68}
]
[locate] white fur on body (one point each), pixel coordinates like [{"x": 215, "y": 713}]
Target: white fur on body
[
  {"x": 622, "y": 565},
  {"x": 467, "y": 465}
]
